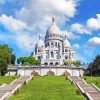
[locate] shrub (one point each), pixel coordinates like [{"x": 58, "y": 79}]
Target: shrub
[
  {"x": 16, "y": 92},
  {"x": 34, "y": 73},
  {"x": 66, "y": 78},
  {"x": 50, "y": 73},
  {"x": 66, "y": 73},
  {"x": 77, "y": 92},
  {"x": 85, "y": 78},
  {"x": 96, "y": 82},
  {"x": 71, "y": 82}
]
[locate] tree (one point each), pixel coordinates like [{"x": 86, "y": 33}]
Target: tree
[
  {"x": 21, "y": 60},
  {"x": 94, "y": 67},
  {"x": 5, "y": 58},
  {"x": 28, "y": 61},
  {"x": 76, "y": 63},
  {"x": 13, "y": 59}
]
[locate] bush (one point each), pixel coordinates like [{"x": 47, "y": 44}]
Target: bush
[
  {"x": 71, "y": 82},
  {"x": 66, "y": 73},
  {"x": 85, "y": 78},
  {"x": 66, "y": 78},
  {"x": 16, "y": 92},
  {"x": 96, "y": 82},
  {"x": 34, "y": 73},
  {"x": 77, "y": 92},
  {"x": 50, "y": 73}
]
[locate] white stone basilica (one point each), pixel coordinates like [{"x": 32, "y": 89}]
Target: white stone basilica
[{"x": 55, "y": 49}]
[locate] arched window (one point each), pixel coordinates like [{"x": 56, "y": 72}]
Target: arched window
[
  {"x": 56, "y": 63},
  {"x": 46, "y": 64},
  {"x": 56, "y": 44},
  {"x": 51, "y": 63},
  {"x": 58, "y": 55},
  {"x": 66, "y": 50},
  {"x": 66, "y": 57},
  {"x": 52, "y": 54}
]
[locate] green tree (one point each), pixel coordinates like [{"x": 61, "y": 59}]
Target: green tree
[
  {"x": 77, "y": 63},
  {"x": 28, "y": 61},
  {"x": 5, "y": 58},
  {"x": 21, "y": 60},
  {"x": 94, "y": 67},
  {"x": 13, "y": 59}
]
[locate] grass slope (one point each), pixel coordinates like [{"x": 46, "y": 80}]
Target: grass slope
[
  {"x": 48, "y": 88},
  {"x": 95, "y": 80},
  {"x": 7, "y": 79}
]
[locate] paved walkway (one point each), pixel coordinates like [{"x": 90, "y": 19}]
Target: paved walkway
[
  {"x": 89, "y": 90},
  {"x": 7, "y": 90}
]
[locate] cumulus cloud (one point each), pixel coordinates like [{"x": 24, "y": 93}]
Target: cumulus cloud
[
  {"x": 95, "y": 41},
  {"x": 12, "y": 24},
  {"x": 94, "y": 23},
  {"x": 35, "y": 16},
  {"x": 76, "y": 46},
  {"x": 70, "y": 35},
  {"x": 38, "y": 13},
  {"x": 80, "y": 28},
  {"x": 25, "y": 41}
]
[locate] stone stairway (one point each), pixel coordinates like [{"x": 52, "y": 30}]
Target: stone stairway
[
  {"x": 90, "y": 91},
  {"x": 7, "y": 90}
]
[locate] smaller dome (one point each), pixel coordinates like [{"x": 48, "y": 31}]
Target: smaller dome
[
  {"x": 39, "y": 43},
  {"x": 66, "y": 43}
]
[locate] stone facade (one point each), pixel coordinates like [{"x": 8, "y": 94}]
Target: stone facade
[{"x": 55, "y": 49}]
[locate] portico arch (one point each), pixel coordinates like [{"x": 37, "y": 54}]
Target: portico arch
[
  {"x": 56, "y": 63},
  {"x": 46, "y": 64},
  {"x": 51, "y": 64}
]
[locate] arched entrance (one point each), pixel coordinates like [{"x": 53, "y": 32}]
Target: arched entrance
[
  {"x": 46, "y": 64},
  {"x": 51, "y": 64},
  {"x": 56, "y": 63}
]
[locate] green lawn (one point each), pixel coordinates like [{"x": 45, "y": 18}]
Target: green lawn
[
  {"x": 7, "y": 79},
  {"x": 48, "y": 88},
  {"x": 95, "y": 80}
]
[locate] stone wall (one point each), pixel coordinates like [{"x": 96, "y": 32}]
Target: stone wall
[{"x": 42, "y": 71}]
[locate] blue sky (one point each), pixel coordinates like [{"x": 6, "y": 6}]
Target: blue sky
[{"x": 21, "y": 21}]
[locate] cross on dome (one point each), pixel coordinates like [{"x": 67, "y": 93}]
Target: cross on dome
[
  {"x": 39, "y": 37},
  {"x": 53, "y": 20}
]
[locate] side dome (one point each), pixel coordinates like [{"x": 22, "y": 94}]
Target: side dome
[
  {"x": 66, "y": 43},
  {"x": 39, "y": 43},
  {"x": 53, "y": 29}
]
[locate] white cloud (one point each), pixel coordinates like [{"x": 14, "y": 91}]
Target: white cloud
[
  {"x": 94, "y": 23},
  {"x": 38, "y": 13},
  {"x": 11, "y": 23},
  {"x": 70, "y": 35},
  {"x": 79, "y": 28},
  {"x": 76, "y": 46},
  {"x": 25, "y": 41},
  {"x": 95, "y": 41},
  {"x": 91, "y": 25}
]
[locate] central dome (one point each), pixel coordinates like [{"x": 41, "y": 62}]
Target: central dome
[{"x": 53, "y": 29}]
